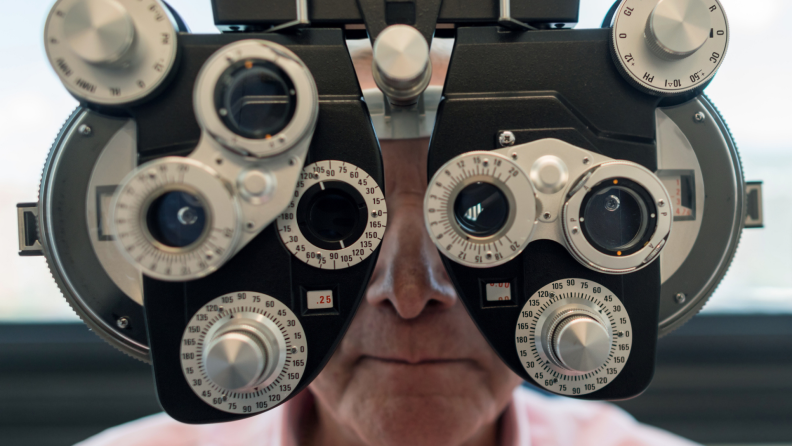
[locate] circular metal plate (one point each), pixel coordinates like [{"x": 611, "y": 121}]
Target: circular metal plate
[
  {"x": 538, "y": 313},
  {"x": 251, "y": 305},
  {"x": 305, "y": 115},
  {"x": 146, "y": 66},
  {"x": 346, "y": 255},
  {"x": 661, "y": 76},
  {"x": 462, "y": 171},
  {"x": 151, "y": 180}
]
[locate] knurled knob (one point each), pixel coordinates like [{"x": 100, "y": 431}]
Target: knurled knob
[
  {"x": 678, "y": 28},
  {"x": 401, "y": 65},
  {"x": 580, "y": 343},
  {"x": 100, "y": 32},
  {"x": 239, "y": 359}
]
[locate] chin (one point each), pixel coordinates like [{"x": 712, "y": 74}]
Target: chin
[{"x": 419, "y": 420}]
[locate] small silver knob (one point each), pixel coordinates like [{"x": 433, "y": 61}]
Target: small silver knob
[
  {"x": 580, "y": 343},
  {"x": 100, "y": 32},
  {"x": 401, "y": 65},
  {"x": 678, "y": 28},
  {"x": 239, "y": 359}
]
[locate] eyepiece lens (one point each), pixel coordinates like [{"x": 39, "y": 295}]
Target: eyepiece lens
[
  {"x": 616, "y": 218},
  {"x": 333, "y": 215},
  {"x": 176, "y": 219},
  {"x": 255, "y": 99},
  {"x": 481, "y": 209}
]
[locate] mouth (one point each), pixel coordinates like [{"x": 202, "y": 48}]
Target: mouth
[{"x": 416, "y": 362}]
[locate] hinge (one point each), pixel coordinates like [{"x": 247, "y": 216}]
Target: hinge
[
  {"x": 27, "y": 221},
  {"x": 754, "y": 218}
]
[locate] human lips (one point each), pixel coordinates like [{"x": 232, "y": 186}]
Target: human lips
[{"x": 429, "y": 360}]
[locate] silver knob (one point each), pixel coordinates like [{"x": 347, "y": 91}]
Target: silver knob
[
  {"x": 240, "y": 359},
  {"x": 401, "y": 65},
  {"x": 580, "y": 343},
  {"x": 678, "y": 28},
  {"x": 100, "y": 32}
]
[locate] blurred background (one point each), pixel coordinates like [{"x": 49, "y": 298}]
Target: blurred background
[{"x": 725, "y": 378}]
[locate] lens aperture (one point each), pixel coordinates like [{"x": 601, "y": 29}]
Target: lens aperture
[
  {"x": 255, "y": 99},
  {"x": 176, "y": 219},
  {"x": 481, "y": 209},
  {"x": 332, "y": 215},
  {"x": 617, "y": 217}
]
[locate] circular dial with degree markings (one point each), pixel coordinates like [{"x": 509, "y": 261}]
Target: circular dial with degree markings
[
  {"x": 175, "y": 219},
  {"x": 337, "y": 217},
  {"x": 480, "y": 209},
  {"x": 573, "y": 337},
  {"x": 667, "y": 47},
  {"x": 110, "y": 52},
  {"x": 244, "y": 352}
]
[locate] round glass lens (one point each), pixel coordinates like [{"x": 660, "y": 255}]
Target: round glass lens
[
  {"x": 481, "y": 209},
  {"x": 615, "y": 218},
  {"x": 333, "y": 215},
  {"x": 176, "y": 219},
  {"x": 255, "y": 99}
]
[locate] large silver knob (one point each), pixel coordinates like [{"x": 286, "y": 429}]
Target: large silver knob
[
  {"x": 100, "y": 32},
  {"x": 578, "y": 342},
  {"x": 678, "y": 28},
  {"x": 401, "y": 66},
  {"x": 241, "y": 357}
]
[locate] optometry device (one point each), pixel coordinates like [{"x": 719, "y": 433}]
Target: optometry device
[
  {"x": 598, "y": 206},
  {"x": 215, "y": 205}
]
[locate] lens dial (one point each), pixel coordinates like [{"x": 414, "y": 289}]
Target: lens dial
[
  {"x": 617, "y": 218},
  {"x": 256, "y": 98},
  {"x": 244, "y": 352},
  {"x": 667, "y": 47},
  {"x": 175, "y": 219},
  {"x": 110, "y": 52},
  {"x": 480, "y": 209},
  {"x": 337, "y": 217},
  {"x": 573, "y": 337}
]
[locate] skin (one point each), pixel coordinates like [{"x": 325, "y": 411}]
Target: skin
[{"x": 413, "y": 369}]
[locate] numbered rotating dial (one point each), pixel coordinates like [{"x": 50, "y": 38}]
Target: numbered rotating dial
[
  {"x": 175, "y": 219},
  {"x": 480, "y": 209},
  {"x": 244, "y": 352},
  {"x": 337, "y": 217},
  {"x": 667, "y": 47},
  {"x": 110, "y": 52},
  {"x": 573, "y": 337}
]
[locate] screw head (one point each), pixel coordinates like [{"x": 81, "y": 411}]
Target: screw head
[
  {"x": 680, "y": 298},
  {"x": 586, "y": 160},
  {"x": 122, "y": 322},
  {"x": 661, "y": 203},
  {"x": 547, "y": 216},
  {"x": 575, "y": 230},
  {"x": 250, "y": 225},
  {"x": 620, "y": 334},
  {"x": 506, "y": 139},
  {"x": 373, "y": 214},
  {"x": 485, "y": 163},
  {"x": 700, "y": 116},
  {"x": 489, "y": 255},
  {"x": 85, "y": 130}
]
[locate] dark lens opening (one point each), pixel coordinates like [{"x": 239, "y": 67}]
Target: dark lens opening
[
  {"x": 332, "y": 215},
  {"x": 255, "y": 99},
  {"x": 481, "y": 209},
  {"x": 618, "y": 217},
  {"x": 176, "y": 219}
]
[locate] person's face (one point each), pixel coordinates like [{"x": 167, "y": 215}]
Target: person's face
[{"x": 413, "y": 368}]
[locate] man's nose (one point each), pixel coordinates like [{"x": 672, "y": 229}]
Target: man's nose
[{"x": 411, "y": 275}]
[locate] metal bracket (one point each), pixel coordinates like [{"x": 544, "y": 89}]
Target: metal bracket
[
  {"x": 505, "y": 19},
  {"x": 301, "y": 21},
  {"x": 27, "y": 222},
  {"x": 754, "y": 218},
  {"x": 412, "y": 122}
]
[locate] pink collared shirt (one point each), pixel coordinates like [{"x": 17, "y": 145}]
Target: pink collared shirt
[{"x": 530, "y": 420}]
